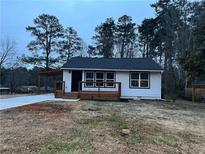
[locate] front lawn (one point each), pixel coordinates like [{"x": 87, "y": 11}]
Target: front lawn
[{"x": 96, "y": 127}]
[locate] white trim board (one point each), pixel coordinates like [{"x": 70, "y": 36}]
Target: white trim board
[{"x": 120, "y": 70}]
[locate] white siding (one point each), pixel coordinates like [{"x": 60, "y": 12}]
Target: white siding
[
  {"x": 154, "y": 92},
  {"x": 67, "y": 78}
]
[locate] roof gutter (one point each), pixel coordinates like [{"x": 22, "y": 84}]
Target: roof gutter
[{"x": 120, "y": 70}]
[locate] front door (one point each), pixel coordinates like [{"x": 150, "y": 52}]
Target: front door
[{"x": 76, "y": 77}]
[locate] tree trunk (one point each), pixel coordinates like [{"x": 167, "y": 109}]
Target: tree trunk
[
  {"x": 160, "y": 54},
  {"x": 122, "y": 50},
  {"x": 46, "y": 77},
  {"x": 143, "y": 55},
  {"x": 147, "y": 50}
]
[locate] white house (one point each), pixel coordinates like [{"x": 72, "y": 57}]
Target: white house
[{"x": 105, "y": 78}]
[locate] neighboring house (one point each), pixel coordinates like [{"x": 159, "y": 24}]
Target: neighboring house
[
  {"x": 4, "y": 90},
  {"x": 111, "y": 78},
  {"x": 27, "y": 89}
]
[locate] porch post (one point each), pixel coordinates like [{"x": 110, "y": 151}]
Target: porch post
[
  {"x": 79, "y": 83},
  {"x": 63, "y": 86},
  {"x": 119, "y": 89},
  {"x": 98, "y": 88},
  {"x": 98, "y": 91}
]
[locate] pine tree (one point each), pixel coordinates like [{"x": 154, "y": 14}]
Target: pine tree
[
  {"x": 167, "y": 19},
  {"x": 47, "y": 32},
  {"x": 193, "y": 60},
  {"x": 126, "y": 36},
  {"x": 105, "y": 38},
  {"x": 91, "y": 51},
  {"x": 147, "y": 37},
  {"x": 71, "y": 45}
]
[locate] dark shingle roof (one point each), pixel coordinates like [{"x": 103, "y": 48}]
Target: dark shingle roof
[{"x": 112, "y": 63}]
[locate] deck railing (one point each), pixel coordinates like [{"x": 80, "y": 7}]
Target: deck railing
[
  {"x": 98, "y": 86},
  {"x": 111, "y": 92}
]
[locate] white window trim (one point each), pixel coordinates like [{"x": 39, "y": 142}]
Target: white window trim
[
  {"x": 113, "y": 80},
  {"x": 99, "y": 78},
  {"x": 86, "y": 79},
  {"x": 139, "y": 81},
  {"x": 95, "y": 78}
]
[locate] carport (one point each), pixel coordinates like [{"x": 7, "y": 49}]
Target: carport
[{"x": 52, "y": 73}]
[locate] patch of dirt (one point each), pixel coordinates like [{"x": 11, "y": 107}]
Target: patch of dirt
[
  {"x": 50, "y": 107},
  {"x": 155, "y": 127},
  {"x": 27, "y": 128}
]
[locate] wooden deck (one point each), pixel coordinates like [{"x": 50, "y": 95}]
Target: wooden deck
[
  {"x": 61, "y": 94},
  {"x": 89, "y": 95},
  {"x": 102, "y": 95}
]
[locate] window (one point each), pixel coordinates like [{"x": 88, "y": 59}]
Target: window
[
  {"x": 110, "y": 77},
  {"x": 99, "y": 76},
  {"x": 134, "y": 80},
  {"x": 89, "y": 78},
  {"x": 144, "y": 80},
  {"x": 139, "y": 80}
]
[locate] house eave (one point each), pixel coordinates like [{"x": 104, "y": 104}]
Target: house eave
[{"x": 119, "y": 70}]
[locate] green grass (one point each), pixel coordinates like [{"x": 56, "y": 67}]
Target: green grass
[
  {"x": 114, "y": 116},
  {"x": 58, "y": 107},
  {"x": 141, "y": 133},
  {"x": 188, "y": 137},
  {"x": 114, "y": 120},
  {"x": 89, "y": 121},
  {"x": 166, "y": 139},
  {"x": 75, "y": 141}
]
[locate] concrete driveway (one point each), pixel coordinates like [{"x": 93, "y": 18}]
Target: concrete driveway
[{"x": 24, "y": 100}]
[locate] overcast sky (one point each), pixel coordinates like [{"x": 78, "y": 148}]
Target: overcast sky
[{"x": 83, "y": 15}]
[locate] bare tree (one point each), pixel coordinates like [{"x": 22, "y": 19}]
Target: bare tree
[{"x": 7, "y": 51}]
